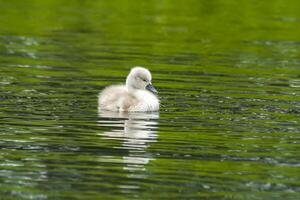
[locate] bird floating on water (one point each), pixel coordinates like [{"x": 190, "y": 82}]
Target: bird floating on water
[{"x": 138, "y": 95}]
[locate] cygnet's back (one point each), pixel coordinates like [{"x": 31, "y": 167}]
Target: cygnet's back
[{"x": 138, "y": 95}]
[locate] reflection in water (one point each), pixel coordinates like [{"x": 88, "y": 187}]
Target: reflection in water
[{"x": 136, "y": 131}]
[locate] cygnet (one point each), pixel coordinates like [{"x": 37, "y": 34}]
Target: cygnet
[{"x": 138, "y": 95}]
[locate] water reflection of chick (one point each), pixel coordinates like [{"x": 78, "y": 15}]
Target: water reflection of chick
[{"x": 137, "y": 131}]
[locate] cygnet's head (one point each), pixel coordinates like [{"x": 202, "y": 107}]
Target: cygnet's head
[{"x": 140, "y": 78}]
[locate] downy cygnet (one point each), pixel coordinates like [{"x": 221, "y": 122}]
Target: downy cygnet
[{"x": 138, "y": 95}]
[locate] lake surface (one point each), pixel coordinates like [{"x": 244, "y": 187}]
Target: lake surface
[{"x": 228, "y": 78}]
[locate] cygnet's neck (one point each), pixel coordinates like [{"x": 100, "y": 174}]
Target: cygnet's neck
[{"x": 130, "y": 87}]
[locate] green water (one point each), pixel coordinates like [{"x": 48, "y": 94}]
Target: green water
[{"x": 228, "y": 78}]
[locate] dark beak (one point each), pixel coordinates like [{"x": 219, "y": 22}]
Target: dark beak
[{"x": 151, "y": 89}]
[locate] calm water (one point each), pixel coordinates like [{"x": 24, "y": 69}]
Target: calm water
[{"x": 228, "y": 79}]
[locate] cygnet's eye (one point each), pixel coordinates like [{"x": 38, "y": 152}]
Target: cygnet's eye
[{"x": 144, "y": 80}]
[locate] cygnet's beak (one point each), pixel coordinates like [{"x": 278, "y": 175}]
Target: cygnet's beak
[{"x": 151, "y": 88}]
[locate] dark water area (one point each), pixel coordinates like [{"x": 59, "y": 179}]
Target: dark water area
[{"x": 228, "y": 78}]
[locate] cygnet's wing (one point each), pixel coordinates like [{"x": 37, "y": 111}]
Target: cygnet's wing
[{"x": 110, "y": 97}]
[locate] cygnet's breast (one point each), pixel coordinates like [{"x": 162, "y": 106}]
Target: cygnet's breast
[{"x": 147, "y": 101}]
